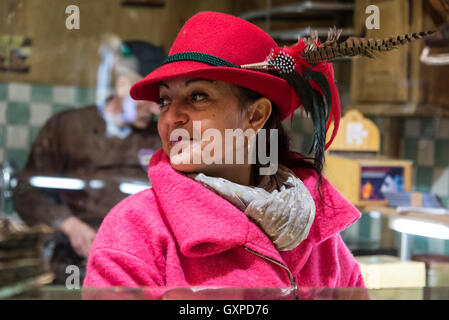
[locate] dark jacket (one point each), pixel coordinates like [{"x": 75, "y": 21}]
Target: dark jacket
[{"x": 73, "y": 144}]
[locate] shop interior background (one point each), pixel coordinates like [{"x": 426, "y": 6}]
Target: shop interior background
[{"x": 60, "y": 71}]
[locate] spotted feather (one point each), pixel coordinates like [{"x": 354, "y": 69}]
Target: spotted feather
[{"x": 357, "y": 46}]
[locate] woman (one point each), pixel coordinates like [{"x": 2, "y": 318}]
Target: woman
[{"x": 219, "y": 221}]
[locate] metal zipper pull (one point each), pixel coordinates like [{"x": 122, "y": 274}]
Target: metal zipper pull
[{"x": 290, "y": 276}]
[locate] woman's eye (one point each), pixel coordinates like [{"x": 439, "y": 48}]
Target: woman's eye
[
  {"x": 163, "y": 102},
  {"x": 198, "y": 97}
]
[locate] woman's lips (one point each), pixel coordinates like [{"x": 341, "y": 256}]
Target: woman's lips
[{"x": 173, "y": 143}]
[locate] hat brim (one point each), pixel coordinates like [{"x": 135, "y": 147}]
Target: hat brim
[{"x": 270, "y": 86}]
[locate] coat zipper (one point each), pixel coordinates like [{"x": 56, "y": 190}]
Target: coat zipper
[{"x": 290, "y": 276}]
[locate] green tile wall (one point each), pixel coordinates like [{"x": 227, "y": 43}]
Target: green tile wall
[
  {"x": 411, "y": 149},
  {"x": 423, "y": 179},
  {"x": 17, "y": 113},
  {"x": 20, "y": 99},
  {"x": 41, "y": 93},
  {"x": 441, "y": 152},
  {"x": 3, "y": 91}
]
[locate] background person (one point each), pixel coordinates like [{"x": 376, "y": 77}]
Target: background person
[{"x": 103, "y": 143}]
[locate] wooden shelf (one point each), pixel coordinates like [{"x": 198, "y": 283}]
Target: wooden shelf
[
  {"x": 308, "y": 7},
  {"x": 144, "y": 3},
  {"x": 401, "y": 109},
  {"x": 295, "y": 34}
]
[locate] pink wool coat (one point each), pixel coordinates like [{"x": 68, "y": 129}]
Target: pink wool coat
[{"x": 180, "y": 234}]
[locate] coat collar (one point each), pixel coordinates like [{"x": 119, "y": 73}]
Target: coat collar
[
  {"x": 333, "y": 212},
  {"x": 204, "y": 223}
]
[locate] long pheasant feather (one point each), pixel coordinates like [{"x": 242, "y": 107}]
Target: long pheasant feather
[{"x": 355, "y": 46}]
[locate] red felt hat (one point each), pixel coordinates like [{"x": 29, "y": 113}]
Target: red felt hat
[
  {"x": 231, "y": 39},
  {"x": 222, "y": 47}
]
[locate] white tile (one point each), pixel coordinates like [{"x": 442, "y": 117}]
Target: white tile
[
  {"x": 3, "y": 112},
  {"x": 64, "y": 95},
  {"x": 442, "y": 128},
  {"x": 412, "y": 128},
  {"x": 440, "y": 180},
  {"x": 19, "y": 92},
  {"x": 39, "y": 113},
  {"x": 426, "y": 149},
  {"x": 375, "y": 227},
  {"x": 17, "y": 136}
]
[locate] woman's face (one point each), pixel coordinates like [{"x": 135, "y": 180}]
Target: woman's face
[{"x": 200, "y": 111}]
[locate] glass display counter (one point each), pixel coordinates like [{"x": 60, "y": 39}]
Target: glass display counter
[{"x": 62, "y": 293}]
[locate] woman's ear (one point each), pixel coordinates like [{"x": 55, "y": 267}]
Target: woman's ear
[{"x": 258, "y": 113}]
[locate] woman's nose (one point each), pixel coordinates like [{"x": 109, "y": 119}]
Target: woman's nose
[{"x": 176, "y": 115}]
